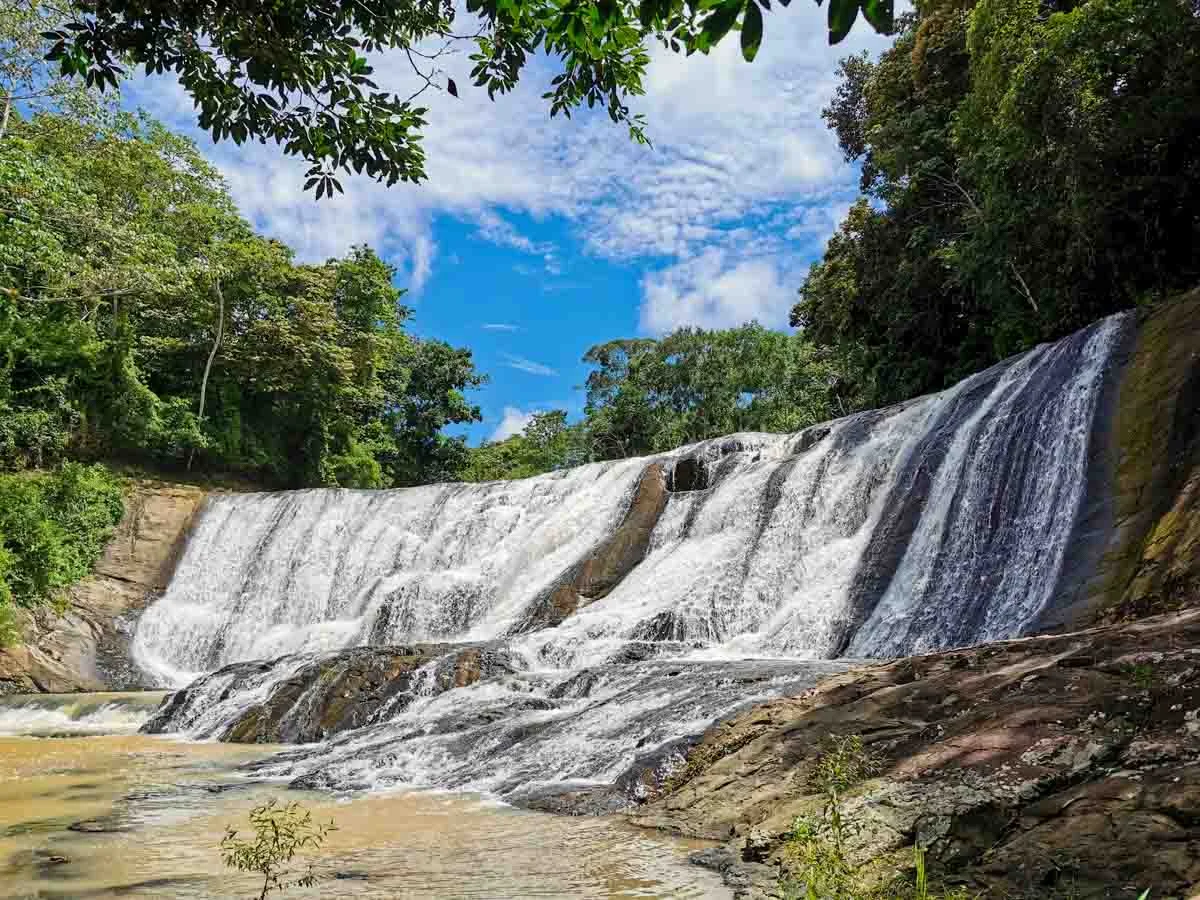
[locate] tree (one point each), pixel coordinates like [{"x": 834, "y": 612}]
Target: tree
[
  {"x": 298, "y": 375},
  {"x": 25, "y": 80},
  {"x": 647, "y": 396},
  {"x": 546, "y": 444},
  {"x": 1026, "y": 168},
  {"x": 296, "y": 72}
]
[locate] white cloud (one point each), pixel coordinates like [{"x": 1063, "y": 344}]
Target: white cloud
[
  {"x": 513, "y": 422},
  {"x": 714, "y": 291},
  {"x": 528, "y": 365},
  {"x": 499, "y": 326},
  {"x": 740, "y": 159}
]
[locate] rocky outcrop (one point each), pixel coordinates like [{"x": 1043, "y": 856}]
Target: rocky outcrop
[
  {"x": 1149, "y": 527},
  {"x": 324, "y": 696},
  {"x": 1068, "y": 760},
  {"x": 602, "y": 570},
  {"x": 84, "y": 648}
]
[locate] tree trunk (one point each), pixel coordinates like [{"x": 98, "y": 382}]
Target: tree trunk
[
  {"x": 4, "y": 116},
  {"x": 212, "y": 354}
]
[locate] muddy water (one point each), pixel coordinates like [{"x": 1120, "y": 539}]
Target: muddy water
[{"x": 138, "y": 816}]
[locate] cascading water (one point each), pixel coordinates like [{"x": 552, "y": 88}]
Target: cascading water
[{"x": 636, "y": 601}]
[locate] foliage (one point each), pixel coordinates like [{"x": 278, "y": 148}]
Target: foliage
[
  {"x": 820, "y": 866},
  {"x": 25, "y": 80},
  {"x": 280, "y": 832},
  {"x": 122, "y": 260},
  {"x": 1026, "y": 168},
  {"x": 53, "y": 527},
  {"x": 547, "y": 443},
  {"x": 297, "y": 71},
  {"x": 650, "y": 395}
]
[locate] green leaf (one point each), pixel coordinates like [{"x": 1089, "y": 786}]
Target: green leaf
[
  {"x": 842, "y": 14},
  {"x": 752, "y": 31},
  {"x": 646, "y": 11},
  {"x": 717, "y": 25},
  {"x": 880, "y": 14}
]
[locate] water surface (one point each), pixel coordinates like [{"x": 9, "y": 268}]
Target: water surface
[{"x": 138, "y": 816}]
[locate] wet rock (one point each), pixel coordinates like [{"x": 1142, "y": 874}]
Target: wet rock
[
  {"x": 1013, "y": 769},
  {"x": 336, "y": 692},
  {"x": 718, "y": 859},
  {"x": 609, "y": 562},
  {"x": 101, "y": 825},
  {"x": 688, "y": 474}
]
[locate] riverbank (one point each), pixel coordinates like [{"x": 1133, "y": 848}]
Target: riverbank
[{"x": 1054, "y": 766}]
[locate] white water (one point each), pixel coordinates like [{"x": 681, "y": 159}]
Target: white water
[
  {"x": 76, "y": 714},
  {"x": 941, "y": 522}
]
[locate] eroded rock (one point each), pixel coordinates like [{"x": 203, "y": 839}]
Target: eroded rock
[
  {"x": 84, "y": 649},
  {"x": 1072, "y": 757}
]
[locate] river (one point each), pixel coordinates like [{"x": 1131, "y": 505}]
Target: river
[{"x": 87, "y": 814}]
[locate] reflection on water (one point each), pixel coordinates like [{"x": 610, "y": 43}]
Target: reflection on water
[{"x": 137, "y": 816}]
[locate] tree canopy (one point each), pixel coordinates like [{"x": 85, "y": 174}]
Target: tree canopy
[
  {"x": 297, "y": 72},
  {"x": 649, "y": 395},
  {"x": 141, "y": 318},
  {"x": 1027, "y": 167}
]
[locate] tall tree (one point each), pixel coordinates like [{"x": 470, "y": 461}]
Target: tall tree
[
  {"x": 295, "y": 374},
  {"x": 1026, "y": 167}
]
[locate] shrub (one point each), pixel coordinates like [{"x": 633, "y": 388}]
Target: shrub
[
  {"x": 53, "y": 526},
  {"x": 280, "y": 832},
  {"x": 817, "y": 848}
]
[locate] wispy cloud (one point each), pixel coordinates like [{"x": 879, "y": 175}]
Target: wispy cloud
[
  {"x": 499, "y": 326},
  {"x": 512, "y": 422},
  {"x": 716, "y": 289},
  {"x": 528, "y": 365}
]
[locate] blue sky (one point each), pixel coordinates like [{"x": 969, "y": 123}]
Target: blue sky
[{"x": 534, "y": 239}]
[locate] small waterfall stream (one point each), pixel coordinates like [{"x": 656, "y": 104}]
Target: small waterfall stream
[{"x": 634, "y": 602}]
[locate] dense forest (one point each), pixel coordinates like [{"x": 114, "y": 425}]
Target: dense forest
[{"x": 1026, "y": 166}]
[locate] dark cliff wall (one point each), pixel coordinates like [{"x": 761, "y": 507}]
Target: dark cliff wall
[{"x": 1146, "y": 525}]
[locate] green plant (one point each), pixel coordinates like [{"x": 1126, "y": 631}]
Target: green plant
[
  {"x": 53, "y": 526},
  {"x": 280, "y": 832},
  {"x": 817, "y": 846},
  {"x": 1141, "y": 674},
  {"x": 818, "y": 843}
]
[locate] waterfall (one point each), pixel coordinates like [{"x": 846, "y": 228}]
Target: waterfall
[{"x": 658, "y": 583}]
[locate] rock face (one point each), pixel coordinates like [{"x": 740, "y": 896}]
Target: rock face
[
  {"x": 1069, "y": 760},
  {"x": 614, "y": 558},
  {"x": 323, "y": 695},
  {"x": 1150, "y": 534},
  {"x": 85, "y": 648}
]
